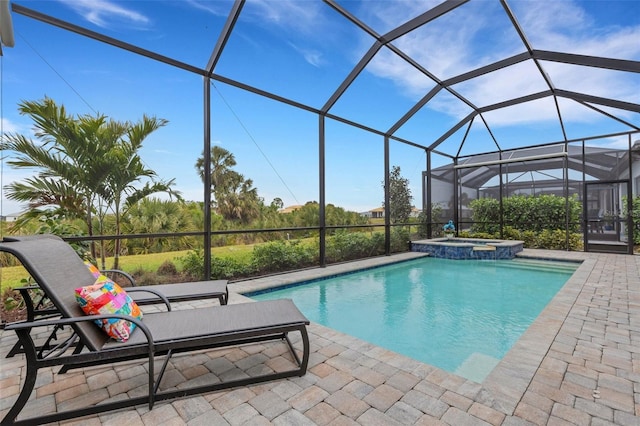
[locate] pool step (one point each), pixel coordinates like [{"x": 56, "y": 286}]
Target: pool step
[
  {"x": 477, "y": 366},
  {"x": 547, "y": 265}
]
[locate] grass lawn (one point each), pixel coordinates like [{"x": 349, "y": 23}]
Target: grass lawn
[{"x": 11, "y": 276}]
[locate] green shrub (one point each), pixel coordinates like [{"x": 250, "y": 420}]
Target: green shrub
[
  {"x": 546, "y": 239},
  {"x": 193, "y": 264},
  {"x": 12, "y": 300},
  {"x": 167, "y": 268},
  {"x": 526, "y": 213},
  {"x": 229, "y": 268},
  {"x": 400, "y": 239},
  {"x": 343, "y": 246},
  {"x": 472, "y": 234},
  {"x": 279, "y": 256},
  {"x": 557, "y": 240},
  {"x": 485, "y": 215},
  {"x": 510, "y": 233},
  {"x": 530, "y": 239},
  {"x": 538, "y": 221},
  {"x": 423, "y": 223},
  {"x": 147, "y": 278},
  {"x": 635, "y": 216}
]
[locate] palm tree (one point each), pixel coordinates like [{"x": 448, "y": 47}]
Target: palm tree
[
  {"x": 68, "y": 154},
  {"x": 277, "y": 204},
  {"x": 240, "y": 202},
  {"x": 250, "y": 202},
  {"x": 221, "y": 174},
  {"x": 152, "y": 216},
  {"x": 85, "y": 165},
  {"x": 118, "y": 190},
  {"x": 234, "y": 197}
]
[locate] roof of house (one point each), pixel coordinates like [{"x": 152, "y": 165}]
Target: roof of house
[{"x": 290, "y": 208}]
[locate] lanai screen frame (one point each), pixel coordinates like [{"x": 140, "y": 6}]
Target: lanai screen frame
[
  {"x": 380, "y": 40},
  {"x": 592, "y": 166}
]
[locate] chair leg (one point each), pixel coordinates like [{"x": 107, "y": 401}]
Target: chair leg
[
  {"x": 76, "y": 351},
  {"x": 30, "y": 377},
  {"x": 47, "y": 344},
  {"x": 33, "y": 309},
  {"x": 16, "y": 349}
]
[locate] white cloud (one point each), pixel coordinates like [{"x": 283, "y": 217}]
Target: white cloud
[
  {"x": 212, "y": 7},
  {"x": 617, "y": 142},
  {"x": 565, "y": 27},
  {"x": 10, "y": 175},
  {"x": 515, "y": 81},
  {"x": 534, "y": 111},
  {"x": 9, "y": 126},
  {"x": 550, "y": 19},
  {"x": 312, "y": 56},
  {"x": 300, "y": 16},
  {"x": 447, "y": 48},
  {"x": 103, "y": 13},
  {"x": 304, "y": 25},
  {"x": 386, "y": 15},
  {"x": 595, "y": 81}
]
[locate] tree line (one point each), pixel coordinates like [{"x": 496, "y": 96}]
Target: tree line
[{"x": 89, "y": 179}]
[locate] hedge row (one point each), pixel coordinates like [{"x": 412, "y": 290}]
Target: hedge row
[
  {"x": 525, "y": 213},
  {"x": 280, "y": 256},
  {"x": 547, "y": 239}
]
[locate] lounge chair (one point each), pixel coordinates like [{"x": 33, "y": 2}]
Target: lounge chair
[
  {"x": 143, "y": 295},
  {"x": 38, "y": 309},
  {"x": 58, "y": 270},
  {"x": 174, "y": 292}
]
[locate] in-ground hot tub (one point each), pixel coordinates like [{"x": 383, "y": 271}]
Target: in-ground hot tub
[{"x": 468, "y": 248}]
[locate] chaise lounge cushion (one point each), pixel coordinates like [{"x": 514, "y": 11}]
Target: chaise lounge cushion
[{"x": 107, "y": 297}]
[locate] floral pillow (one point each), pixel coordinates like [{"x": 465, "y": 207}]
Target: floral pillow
[{"x": 107, "y": 297}]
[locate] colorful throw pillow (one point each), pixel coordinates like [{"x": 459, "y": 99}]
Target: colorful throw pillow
[
  {"x": 107, "y": 297},
  {"x": 93, "y": 269}
]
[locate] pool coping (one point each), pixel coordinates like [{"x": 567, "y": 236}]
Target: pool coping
[
  {"x": 281, "y": 280},
  {"x": 510, "y": 379}
]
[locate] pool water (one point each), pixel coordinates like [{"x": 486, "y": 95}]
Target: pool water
[{"x": 461, "y": 316}]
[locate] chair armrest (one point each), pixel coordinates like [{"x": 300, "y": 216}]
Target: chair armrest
[
  {"x": 155, "y": 292},
  {"x": 19, "y": 326},
  {"x": 27, "y": 287},
  {"x": 127, "y": 276}
]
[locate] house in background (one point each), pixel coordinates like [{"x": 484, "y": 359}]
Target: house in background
[
  {"x": 10, "y": 217},
  {"x": 290, "y": 209},
  {"x": 378, "y": 213}
]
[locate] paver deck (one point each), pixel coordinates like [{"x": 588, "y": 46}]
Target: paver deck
[{"x": 578, "y": 364}]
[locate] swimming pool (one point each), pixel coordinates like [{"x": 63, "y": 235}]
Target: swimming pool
[{"x": 460, "y": 316}]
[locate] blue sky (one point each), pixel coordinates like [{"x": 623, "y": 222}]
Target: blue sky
[{"x": 303, "y": 50}]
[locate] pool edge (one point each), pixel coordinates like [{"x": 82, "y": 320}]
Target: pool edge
[
  {"x": 510, "y": 379},
  {"x": 507, "y": 384}
]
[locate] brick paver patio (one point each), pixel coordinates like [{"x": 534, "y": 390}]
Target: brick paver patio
[{"x": 578, "y": 364}]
